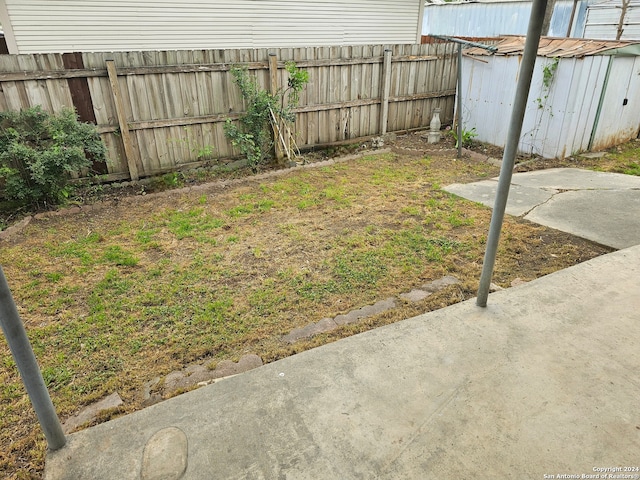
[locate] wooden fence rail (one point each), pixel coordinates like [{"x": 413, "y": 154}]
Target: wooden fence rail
[{"x": 158, "y": 111}]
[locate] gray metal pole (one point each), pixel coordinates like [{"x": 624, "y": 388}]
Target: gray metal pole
[
  {"x": 508, "y": 160},
  {"x": 459, "y": 108},
  {"x": 28, "y": 366}
]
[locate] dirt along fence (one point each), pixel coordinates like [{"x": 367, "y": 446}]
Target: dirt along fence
[{"x": 160, "y": 111}]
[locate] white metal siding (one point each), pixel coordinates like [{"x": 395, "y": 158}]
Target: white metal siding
[
  {"x": 618, "y": 122},
  {"x": 500, "y": 18},
  {"x": 98, "y": 25},
  {"x": 564, "y": 123},
  {"x": 602, "y": 21}
]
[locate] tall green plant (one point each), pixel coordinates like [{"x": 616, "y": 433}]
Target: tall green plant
[
  {"x": 251, "y": 134},
  {"x": 263, "y": 110},
  {"x": 39, "y": 150}
]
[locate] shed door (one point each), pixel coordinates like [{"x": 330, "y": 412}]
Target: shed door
[{"x": 620, "y": 116}]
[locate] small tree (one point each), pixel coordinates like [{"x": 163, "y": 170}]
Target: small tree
[
  {"x": 264, "y": 110},
  {"x": 39, "y": 150}
]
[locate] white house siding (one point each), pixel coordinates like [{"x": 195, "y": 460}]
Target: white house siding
[
  {"x": 564, "y": 123},
  {"x": 491, "y": 19},
  {"x": 42, "y": 26},
  {"x": 603, "y": 19}
]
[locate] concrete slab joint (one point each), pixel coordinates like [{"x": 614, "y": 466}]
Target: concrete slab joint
[{"x": 592, "y": 205}]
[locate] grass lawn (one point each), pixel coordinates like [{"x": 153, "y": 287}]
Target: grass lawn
[{"x": 137, "y": 288}]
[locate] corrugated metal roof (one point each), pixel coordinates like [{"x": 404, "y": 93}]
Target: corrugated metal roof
[{"x": 555, "y": 47}]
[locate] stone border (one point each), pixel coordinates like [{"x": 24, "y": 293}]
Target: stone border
[
  {"x": 328, "y": 324},
  {"x": 199, "y": 374}
]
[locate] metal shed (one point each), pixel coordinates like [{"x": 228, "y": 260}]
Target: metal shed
[{"x": 585, "y": 95}]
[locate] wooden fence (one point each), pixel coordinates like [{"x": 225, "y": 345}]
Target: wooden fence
[{"x": 159, "y": 111}]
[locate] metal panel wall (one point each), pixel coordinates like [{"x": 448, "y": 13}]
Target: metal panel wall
[
  {"x": 618, "y": 121},
  {"x": 559, "y": 118},
  {"x": 496, "y": 19},
  {"x": 40, "y": 26},
  {"x": 602, "y": 21}
]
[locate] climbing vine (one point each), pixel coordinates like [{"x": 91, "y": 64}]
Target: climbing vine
[
  {"x": 265, "y": 112},
  {"x": 548, "y": 74}
]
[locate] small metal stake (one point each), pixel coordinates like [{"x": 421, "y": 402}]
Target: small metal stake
[
  {"x": 460, "y": 43},
  {"x": 459, "y": 99},
  {"x": 28, "y": 366}
]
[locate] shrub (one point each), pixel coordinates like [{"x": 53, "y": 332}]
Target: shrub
[
  {"x": 39, "y": 150},
  {"x": 252, "y": 134}
]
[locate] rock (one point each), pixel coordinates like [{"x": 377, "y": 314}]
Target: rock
[
  {"x": 90, "y": 412},
  {"x": 173, "y": 381},
  {"x": 225, "y": 368},
  {"x": 377, "y": 142},
  {"x": 440, "y": 283},
  {"x": 415, "y": 295},
  {"x": 389, "y": 137},
  {"x": 197, "y": 375},
  {"x": 495, "y": 288},
  {"x": 367, "y": 311},
  {"x": 322, "y": 326},
  {"x": 249, "y": 362},
  {"x": 594, "y": 155},
  {"x": 147, "y": 397},
  {"x": 15, "y": 229}
]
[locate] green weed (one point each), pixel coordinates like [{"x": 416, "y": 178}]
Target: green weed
[{"x": 119, "y": 256}]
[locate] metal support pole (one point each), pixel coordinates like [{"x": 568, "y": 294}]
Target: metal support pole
[
  {"x": 386, "y": 87},
  {"x": 489, "y": 48},
  {"x": 459, "y": 98},
  {"x": 28, "y": 366},
  {"x": 513, "y": 137}
]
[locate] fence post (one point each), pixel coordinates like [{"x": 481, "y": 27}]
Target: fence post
[
  {"x": 129, "y": 151},
  {"x": 386, "y": 86},
  {"x": 273, "y": 87},
  {"x": 28, "y": 367}
]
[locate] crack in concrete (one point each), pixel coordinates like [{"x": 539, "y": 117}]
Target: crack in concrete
[
  {"x": 543, "y": 203},
  {"x": 559, "y": 191}
]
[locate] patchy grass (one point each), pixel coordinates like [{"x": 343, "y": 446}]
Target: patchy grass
[
  {"x": 116, "y": 297},
  {"x": 623, "y": 158}
]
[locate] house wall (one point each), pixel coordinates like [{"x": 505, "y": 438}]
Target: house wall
[
  {"x": 480, "y": 19},
  {"x": 603, "y": 19},
  {"x": 558, "y": 120},
  {"x": 40, "y": 26}
]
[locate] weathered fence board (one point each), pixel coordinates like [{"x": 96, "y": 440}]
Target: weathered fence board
[{"x": 173, "y": 104}]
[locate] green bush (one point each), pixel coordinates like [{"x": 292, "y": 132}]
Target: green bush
[
  {"x": 38, "y": 151},
  {"x": 252, "y": 133}
]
